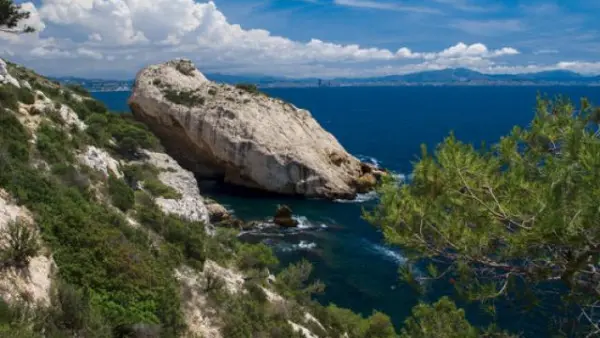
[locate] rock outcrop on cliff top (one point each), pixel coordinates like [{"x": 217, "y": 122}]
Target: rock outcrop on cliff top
[{"x": 243, "y": 137}]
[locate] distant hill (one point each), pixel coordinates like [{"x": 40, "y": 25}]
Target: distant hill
[{"x": 455, "y": 76}]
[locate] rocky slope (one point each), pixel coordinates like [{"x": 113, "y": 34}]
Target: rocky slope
[
  {"x": 71, "y": 186},
  {"x": 243, "y": 137}
]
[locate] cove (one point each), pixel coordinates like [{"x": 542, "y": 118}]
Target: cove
[{"x": 383, "y": 125}]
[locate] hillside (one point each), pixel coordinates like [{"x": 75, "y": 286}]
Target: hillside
[{"x": 105, "y": 235}]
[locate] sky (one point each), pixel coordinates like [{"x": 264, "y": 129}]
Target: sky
[{"x": 307, "y": 38}]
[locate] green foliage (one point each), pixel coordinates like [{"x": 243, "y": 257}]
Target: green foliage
[
  {"x": 159, "y": 189},
  {"x": 21, "y": 244},
  {"x": 72, "y": 313},
  {"x": 148, "y": 174},
  {"x": 11, "y": 14},
  {"x": 249, "y": 87},
  {"x": 250, "y": 315},
  {"x": 120, "y": 193},
  {"x": 340, "y": 321},
  {"x": 10, "y": 96},
  {"x": 95, "y": 247},
  {"x": 128, "y": 134},
  {"x": 441, "y": 319},
  {"x": 185, "y": 98},
  {"x": 54, "y": 144},
  {"x": 294, "y": 282},
  {"x": 512, "y": 217},
  {"x": 187, "y": 237},
  {"x": 78, "y": 89},
  {"x": 256, "y": 257},
  {"x": 95, "y": 106},
  {"x": 13, "y": 139}
]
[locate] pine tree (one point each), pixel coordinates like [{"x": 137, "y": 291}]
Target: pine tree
[
  {"x": 508, "y": 219},
  {"x": 10, "y": 16}
]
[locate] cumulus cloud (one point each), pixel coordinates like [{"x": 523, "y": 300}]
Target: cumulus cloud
[{"x": 91, "y": 33}]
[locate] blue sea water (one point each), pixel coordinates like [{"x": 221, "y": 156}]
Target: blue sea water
[{"x": 384, "y": 125}]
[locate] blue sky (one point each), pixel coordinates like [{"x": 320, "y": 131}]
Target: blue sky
[{"x": 305, "y": 38}]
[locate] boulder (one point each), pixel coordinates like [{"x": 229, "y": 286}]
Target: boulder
[
  {"x": 217, "y": 212},
  {"x": 283, "y": 217},
  {"x": 241, "y": 137},
  {"x": 366, "y": 183}
]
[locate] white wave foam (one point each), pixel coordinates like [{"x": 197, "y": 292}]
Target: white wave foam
[
  {"x": 303, "y": 245},
  {"x": 369, "y": 159},
  {"x": 389, "y": 254},
  {"x": 303, "y": 222},
  {"x": 361, "y": 198}
]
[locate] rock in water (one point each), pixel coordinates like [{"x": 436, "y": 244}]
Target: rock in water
[
  {"x": 283, "y": 217},
  {"x": 241, "y": 136}
]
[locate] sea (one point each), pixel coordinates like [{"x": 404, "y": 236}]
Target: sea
[{"x": 385, "y": 126}]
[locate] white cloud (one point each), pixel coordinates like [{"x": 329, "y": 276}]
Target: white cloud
[
  {"x": 489, "y": 27},
  {"x": 370, "y": 4},
  {"x": 139, "y": 32},
  {"x": 89, "y": 53}
]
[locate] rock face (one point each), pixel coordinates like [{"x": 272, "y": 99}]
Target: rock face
[
  {"x": 243, "y": 138},
  {"x": 283, "y": 217},
  {"x": 191, "y": 204},
  {"x": 5, "y": 76},
  {"x": 33, "y": 282}
]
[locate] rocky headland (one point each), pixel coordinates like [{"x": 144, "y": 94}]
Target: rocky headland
[{"x": 243, "y": 137}]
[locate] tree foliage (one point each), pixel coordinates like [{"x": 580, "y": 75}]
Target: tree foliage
[
  {"x": 10, "y": 16},
  {"x": 514, "y": 216}
]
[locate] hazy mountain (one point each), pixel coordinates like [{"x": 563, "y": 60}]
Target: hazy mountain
[{"x": 439, "y": 77}]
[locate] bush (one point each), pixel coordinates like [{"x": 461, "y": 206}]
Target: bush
[
  {"x": 21, "y": 244},
  {"x": 159, "y": 189},
  {"x": 8, "y": 97},
  {"x": 120, "y": 193},
  {"x": 95, "y": 106},
  {"x": 78, "y": 89},
  {"x": 185, "y": 98},
  {"x": 186, "y": 236},
  {"x": 248, "y": 87},
  {"x": 14, "y": 139},
  {"x": 293, "y": 282},
  {"x": 54, "y": 144},
  {"x": 256, "y": 257}
]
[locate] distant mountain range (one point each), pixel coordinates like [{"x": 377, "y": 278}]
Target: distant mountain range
[{"x": 457, "y": 76}]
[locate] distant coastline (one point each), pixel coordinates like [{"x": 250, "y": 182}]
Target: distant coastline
[{"x": 446, "y": 77}]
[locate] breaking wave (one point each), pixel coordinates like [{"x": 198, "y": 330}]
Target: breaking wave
[
  {"x": 389, "y": 254},
  {"x": 302, "y": 246}
]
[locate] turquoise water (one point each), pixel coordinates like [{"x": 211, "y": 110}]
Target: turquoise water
[{"x": 384, "y": 125}]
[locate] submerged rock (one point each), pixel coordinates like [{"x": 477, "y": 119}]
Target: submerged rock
[
  {"x": 284, "y": 217},
  {"x": 242, "y": 137}
]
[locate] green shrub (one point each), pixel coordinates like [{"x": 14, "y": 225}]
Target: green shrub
[
  {"x": 95, "y": 106},
  {"x": 54, "y": 144},
  {"x": 14, "y": 139},
  {"x": 21, "y": 244},
  {"x": 78, "y": 89},
  {"x": 159, "y": 189},
  {"x": 185, "y": 98},
  {"x": 249, "y": 87},
  {"x": 120, "y": 193},
  {"x": 256, "y": 257},
  {"x": 294, "y": 282},
  {"x": 8, "y": 97},
  {"x": 71, "y": 311},
  {"x": 187, "y": 236}
]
